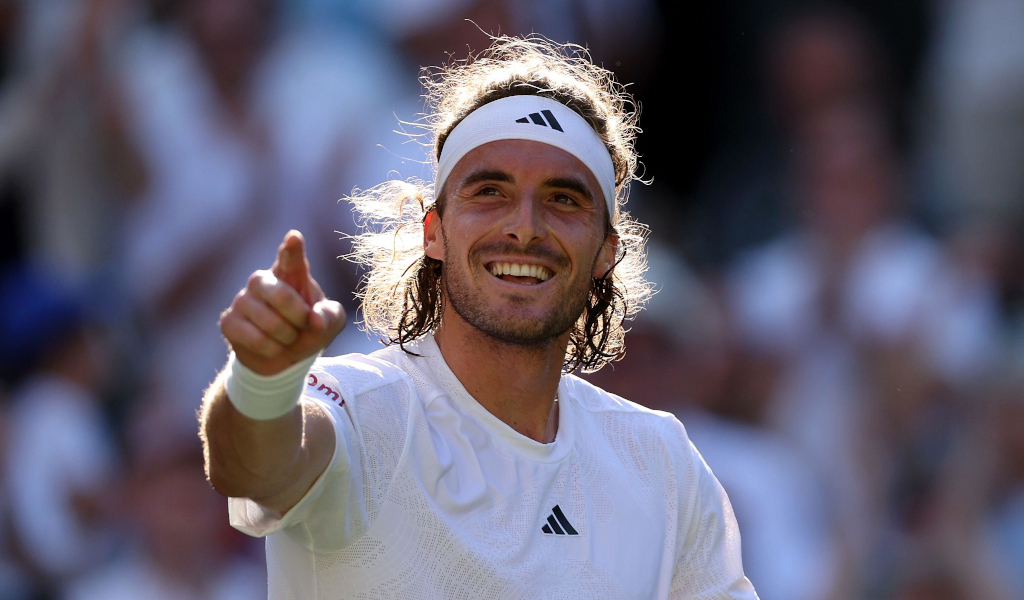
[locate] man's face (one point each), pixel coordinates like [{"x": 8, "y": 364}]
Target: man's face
[{"x": 522, "y": 236}]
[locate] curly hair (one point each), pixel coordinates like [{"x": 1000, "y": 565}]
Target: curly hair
[{"x": 402, "y": 294}]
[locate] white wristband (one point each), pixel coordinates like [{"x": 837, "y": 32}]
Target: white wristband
[{"x": 264, "y": 397}]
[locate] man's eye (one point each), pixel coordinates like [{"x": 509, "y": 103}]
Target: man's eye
[
  {"x": 565, "y": 199},
  {"x": 488, "y": 191}
]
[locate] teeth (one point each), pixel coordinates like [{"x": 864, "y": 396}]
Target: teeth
[{"x": 520, "y": 270}]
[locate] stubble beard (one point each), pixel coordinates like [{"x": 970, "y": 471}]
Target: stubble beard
[{"x": 507, "y": 328}]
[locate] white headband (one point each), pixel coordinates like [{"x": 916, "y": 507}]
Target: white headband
[{"x": 530, "y": 118}]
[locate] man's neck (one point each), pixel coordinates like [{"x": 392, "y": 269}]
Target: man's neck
[{"x": 516, "y": 384}]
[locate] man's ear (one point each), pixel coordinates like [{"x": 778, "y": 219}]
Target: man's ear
[
  {"x": 606, "y": 257},
  {"x": 433, "y": 241}
]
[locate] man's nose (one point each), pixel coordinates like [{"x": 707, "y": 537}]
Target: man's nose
[{"x": 525, "y": 224}]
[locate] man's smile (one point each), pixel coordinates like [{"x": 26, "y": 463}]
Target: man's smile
[{"x": 525, "y": 273}]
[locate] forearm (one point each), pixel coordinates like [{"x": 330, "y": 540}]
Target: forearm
[
  {"x": 260, "y": 440},
  {"x": 273, "y": 462}
]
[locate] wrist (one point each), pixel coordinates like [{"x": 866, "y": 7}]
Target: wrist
[{"x": 265, "y": 397}]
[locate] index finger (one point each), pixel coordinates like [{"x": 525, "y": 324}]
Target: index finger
[{"x": 291, "y": 264}]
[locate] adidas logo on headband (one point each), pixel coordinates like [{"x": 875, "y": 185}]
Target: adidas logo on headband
[{"x": 539, "y": 120}]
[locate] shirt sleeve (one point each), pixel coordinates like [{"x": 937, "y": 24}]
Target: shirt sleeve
[
  {"x": 333, "y": 513},
  {"x": 708, "y": 565}
]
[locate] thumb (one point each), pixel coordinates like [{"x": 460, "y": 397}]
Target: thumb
[
  {"x": 291, "y": 265},
  {"x": 327, "y": 316}
]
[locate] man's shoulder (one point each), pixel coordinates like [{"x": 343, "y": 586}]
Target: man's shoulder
[
  {"x": 361, "y": 373},
  {"x": 601, "y": 402},
  {"x": 637, "y": 434}
]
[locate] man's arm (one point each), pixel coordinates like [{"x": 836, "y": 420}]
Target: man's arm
[
  {"x": 272, "y": 462},
  {"x": 280, "y": 319}
]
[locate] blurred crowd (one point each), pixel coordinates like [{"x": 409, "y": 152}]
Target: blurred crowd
[{"x": 836, "y": 200}]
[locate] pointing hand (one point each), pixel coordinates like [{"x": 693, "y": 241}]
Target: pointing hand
[{"x": 281, "y": 316}]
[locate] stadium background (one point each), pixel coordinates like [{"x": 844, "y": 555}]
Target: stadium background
[{"x": 836, "y": 212}]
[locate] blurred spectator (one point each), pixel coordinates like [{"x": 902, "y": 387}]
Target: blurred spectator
[
  {"x": 433, "y": 31},
  {"x": 244, "y": 128},
  {"x": 971, "y": 141},
  {"x": 180, "y": 546},
  {"x": 865, "y": 321},
  {"x": 61, "y": 138},
  {"x": 60, "y": 458},
  {"x": 973, "y": 138},
  {"x": 809, "y": 60},
  {"x": 980, "y": 507}
]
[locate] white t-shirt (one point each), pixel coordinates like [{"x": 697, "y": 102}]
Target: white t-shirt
[{"x": 429, "y": 495}]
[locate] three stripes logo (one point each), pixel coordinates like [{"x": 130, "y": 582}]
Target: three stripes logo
[
  {"x": 537, "y": 119},
  {"x": 557, "y": 523}
]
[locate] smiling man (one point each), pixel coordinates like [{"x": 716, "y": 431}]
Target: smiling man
[{"x": 464, "y": 460}]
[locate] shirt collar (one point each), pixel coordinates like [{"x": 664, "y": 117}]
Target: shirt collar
[{"x": 450, "y": 384}]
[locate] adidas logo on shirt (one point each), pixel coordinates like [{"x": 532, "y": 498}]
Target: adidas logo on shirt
[
  {"x": 557, "y": 523},
  {"x": 539, "y": 120}
]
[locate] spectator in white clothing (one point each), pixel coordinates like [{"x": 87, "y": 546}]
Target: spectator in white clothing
[
  {"x": 60, "y": 456},
  {"x": 179, "y": 546}
]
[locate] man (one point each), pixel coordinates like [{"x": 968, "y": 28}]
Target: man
[{"x": 463, "y": 460}]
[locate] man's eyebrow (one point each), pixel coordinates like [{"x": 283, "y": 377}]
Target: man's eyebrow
[
  {"x": 487, "y": 175},
  {"x": 568, "y": 183}
]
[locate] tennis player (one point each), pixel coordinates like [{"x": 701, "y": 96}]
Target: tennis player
[{"x": 464, "y": 460}]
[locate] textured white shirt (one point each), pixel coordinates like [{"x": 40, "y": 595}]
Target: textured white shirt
[{"x": 429, "y": 495}]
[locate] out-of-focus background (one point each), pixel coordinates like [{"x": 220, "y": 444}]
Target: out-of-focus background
[{"x": 837, "y": 214}]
